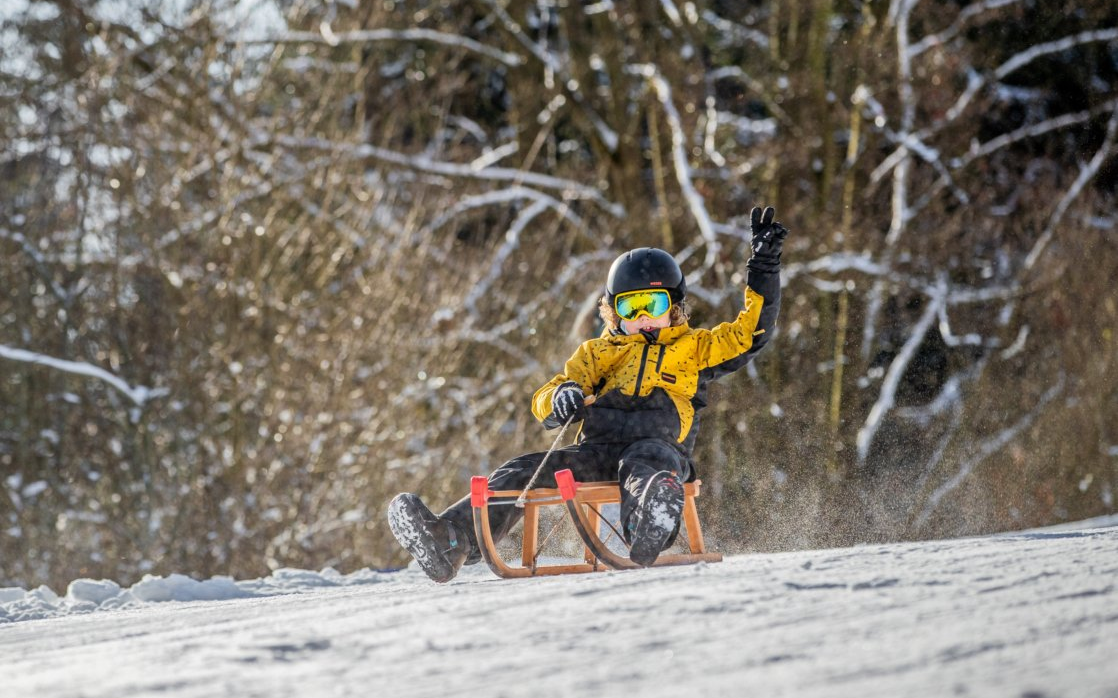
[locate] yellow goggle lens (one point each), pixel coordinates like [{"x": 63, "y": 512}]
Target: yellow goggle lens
[{"x": 653, "y": 303}]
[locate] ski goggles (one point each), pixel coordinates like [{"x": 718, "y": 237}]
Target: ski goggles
[{"x": 650, "y": 302}]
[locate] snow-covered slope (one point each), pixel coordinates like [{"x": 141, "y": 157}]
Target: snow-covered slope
[{"x": 1028, "y": 614}]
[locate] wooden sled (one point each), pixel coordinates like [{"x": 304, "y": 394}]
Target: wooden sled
[{"x": 582, "y": 499}]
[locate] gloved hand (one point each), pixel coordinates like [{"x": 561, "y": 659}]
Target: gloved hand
[
  {"x": 768, "y": 241},
  {"x": 568, "y": 401}
]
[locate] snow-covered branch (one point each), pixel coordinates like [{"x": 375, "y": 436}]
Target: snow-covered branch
[
  {"x": 888, "y": 395},
  {"x": 569, "y": 188},
  {"x": 1022, "y": 59},
  {"x": 908, "y": 143},
  {"x": 949, "y": 397},
  {"x": 504, "y": 196},
  {"x": 978, "y": 151},
  {"x": 1086, "y": 174},
  {"x": 138, "y": 394},
  {"x": 39, "y": 261},
  {"x": 950, "y": 338},
  {"x": 736, "y": 73},
  {"x": 512, "y": 242},
  {"x": 553, "y": 67},
  {"x": 513, "y": 27},
  {"x": 672, "y": 12},
  {"x": 899, "y": 12},
  {"x": 913, "y": 144},
  {"x": 683, "y": 174},
  {"x": 986, "y": 449},
  {"x": 734, "y": 30},
  {"x": 393, "y": 35},
  {"x": 495, "y": 155},
  {"x": 976, "y": 81},
  {"x": 745, "y": 125},
  {"x": 1031, "y": 131},
  {"x": 964, "y": 17},
  {"x": 834, "y": 264},
  {"x": 864, "y": 264}
]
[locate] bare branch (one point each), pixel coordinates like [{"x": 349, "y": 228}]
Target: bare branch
[
  {"x": 672, "y": 12},
  {"x": 735, "y": 30},
  {"x": 569, "y": 188},
  {"x": 899, "y": 12},
  {"x": 953, "y": 340},
  {"x": 607, "y": 135},
  {"x": 834, "y": 264},
  {"x": 683, "y": 174},
  {"x": 758, "y": 88},
  {"x": 1006, "y": 139},
  {"x": 368, "y": 36},
  {"x": 1086, "y": 174},
  {"x": 888, "y": 395},
  {"x": 1018, "y": 344},
  {"x": 40, "y": 263},
  {"x": 745, "y": 125},
  {"x": 961, "y": 20},
  {"x": 1025, "y": 57},
  {"x": 976, "y": 81},
  {"x": 949, "y": 397},
  {"x": 138, "y": 394},
  {"x": 512, "y": 242},
  {"x": 495, "y": 155},
  {"x": 503, "y": 196},
  {"x": 986, "y": 449},
  {"x": 864, "y": 263}
]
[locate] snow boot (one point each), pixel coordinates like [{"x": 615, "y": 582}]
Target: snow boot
[
  {"x": 437, "y": 545},
  {"x": 654, "y": 522}
]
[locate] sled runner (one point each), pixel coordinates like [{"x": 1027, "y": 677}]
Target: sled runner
[{"x": 584, "y": 502}]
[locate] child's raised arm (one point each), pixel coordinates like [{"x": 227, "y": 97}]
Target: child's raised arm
[{"x": 732, "y": 345}]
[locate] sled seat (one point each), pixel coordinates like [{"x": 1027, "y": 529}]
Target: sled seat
[{"x": 584, "y": 502}]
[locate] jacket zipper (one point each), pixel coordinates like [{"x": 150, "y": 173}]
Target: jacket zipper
[
  {"x": 640, "y": 373},
  {"x": 660, "y": 359}
]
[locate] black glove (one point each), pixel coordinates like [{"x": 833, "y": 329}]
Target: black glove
[
  {"x": 768, "y": 241},
  {"x": 568, "y": 401}
]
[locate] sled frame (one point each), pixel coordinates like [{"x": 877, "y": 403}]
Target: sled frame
[{"x": 582, "y": 500}]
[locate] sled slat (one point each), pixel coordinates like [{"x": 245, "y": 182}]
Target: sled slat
[{"x": 531, "y": 535}]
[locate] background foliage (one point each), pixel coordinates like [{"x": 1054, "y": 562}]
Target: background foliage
[{"x": 266, "y": 264}]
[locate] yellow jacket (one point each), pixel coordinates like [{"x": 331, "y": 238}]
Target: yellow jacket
[{"x": 652, "y": 386}]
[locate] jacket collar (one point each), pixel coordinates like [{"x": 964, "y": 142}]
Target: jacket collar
[{"x": 667, "y": 335}]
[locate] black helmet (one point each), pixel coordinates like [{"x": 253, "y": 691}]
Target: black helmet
[{"x": 646, "y": 267}]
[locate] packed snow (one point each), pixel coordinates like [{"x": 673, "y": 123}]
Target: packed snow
[{"x": 1032, "y": 614}]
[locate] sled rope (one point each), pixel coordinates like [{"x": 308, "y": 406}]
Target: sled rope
[
  {"x": 536, "y": 475},
  {"x": 539, "y": 546}
]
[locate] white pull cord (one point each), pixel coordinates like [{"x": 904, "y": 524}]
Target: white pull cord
[{"x": 536, "y": 475}]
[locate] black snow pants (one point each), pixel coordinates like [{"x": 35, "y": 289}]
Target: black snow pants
[{"x": 629, "y": 464}]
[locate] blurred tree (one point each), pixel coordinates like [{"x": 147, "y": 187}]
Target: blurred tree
[{"x": 266, "y": 267}]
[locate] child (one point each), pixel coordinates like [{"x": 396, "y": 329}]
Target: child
[{"x": 648, "y": 373}]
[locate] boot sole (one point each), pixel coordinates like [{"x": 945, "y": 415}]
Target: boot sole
[
  {"x": 653, "y": 532},
  {"x": 407, "y": 517}
]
